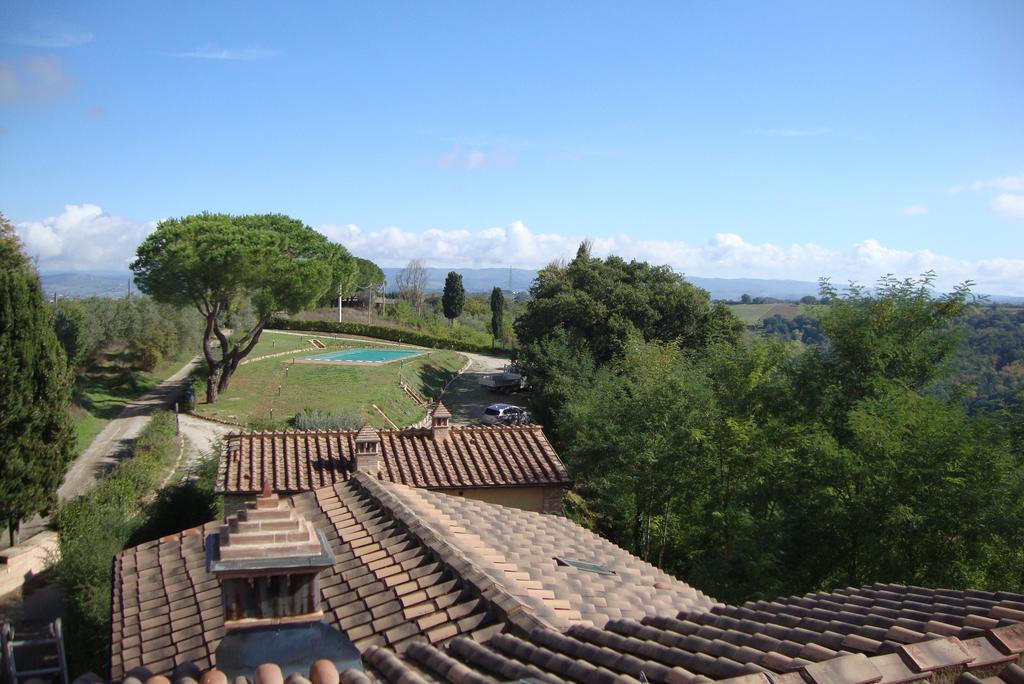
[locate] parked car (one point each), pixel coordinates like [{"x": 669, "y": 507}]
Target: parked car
[{"x": 500, "y": 414}]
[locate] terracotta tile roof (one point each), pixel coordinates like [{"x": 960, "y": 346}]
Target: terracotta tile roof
[
  {"x": 409, "y": 565},
  {"x": 486, "y": 456},
  {"x": 882, "y": 633}
]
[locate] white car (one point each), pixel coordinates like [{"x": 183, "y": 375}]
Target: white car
[{"x": 496, "y": 414}]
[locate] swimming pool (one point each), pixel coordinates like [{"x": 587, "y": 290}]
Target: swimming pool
[{"x": 364, "y": 355}]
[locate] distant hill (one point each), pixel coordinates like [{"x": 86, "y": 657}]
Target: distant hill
[
  {"x": 474, "y": 279},
  {"x": 485, "y": 279},
  {"x": 105, "y": 284},
  {"x": 74, "y": 285}
]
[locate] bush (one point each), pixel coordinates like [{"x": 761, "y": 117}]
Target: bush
[
  {"x": 435, "y": 340},
  {"x": 314, "y": 419}
]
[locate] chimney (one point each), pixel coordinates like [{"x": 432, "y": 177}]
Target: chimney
[
  {"x": 268, "y": 559},
  {"x": 439, "y": 422},
  {"x": 368, "y": 456}
]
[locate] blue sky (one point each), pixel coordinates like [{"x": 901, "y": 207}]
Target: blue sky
[{"x": 728, "y": 139}]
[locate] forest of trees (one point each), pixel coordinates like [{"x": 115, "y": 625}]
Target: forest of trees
[{"x": 754, "y": 468}]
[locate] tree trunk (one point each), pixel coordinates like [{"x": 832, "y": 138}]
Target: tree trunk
[
  {"x": 211, "y": 385},
  {"x": 235, "y": 356},
  {"x": 13, "y": 529},
  {"x": 211, "y": 362}
]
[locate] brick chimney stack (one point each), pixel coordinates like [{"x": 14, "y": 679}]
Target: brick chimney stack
[
  {"x": 439, "y": 419},
  {"x": 268, "y": 558},
  {"x": 368, "y": 456}
]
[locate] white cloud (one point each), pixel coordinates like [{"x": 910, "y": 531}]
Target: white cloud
[
  {"x": 83, "y": 238},
  {"x": 33, "y": 80},
  {"x": 460, "y": 158},
  {"x": 1009, "y": 205},
  {"x": 1012, "y": 183},
  {"x": 915, "y": 210},
  {"x": 726, "y": 255},
  {"x": 216, "y": 53}
]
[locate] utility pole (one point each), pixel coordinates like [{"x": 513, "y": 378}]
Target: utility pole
[
  {"x": 339, "y": 307},
  {"x": 369, "y": 288}
]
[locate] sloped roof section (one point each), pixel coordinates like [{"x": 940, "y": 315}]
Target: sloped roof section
[
  {"x": 881, "y": 633},
  {"x": 485, "y": 456},
  {"x": 409, "y": 565}
]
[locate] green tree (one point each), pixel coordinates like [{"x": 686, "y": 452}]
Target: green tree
[
  {"x": 497, "y": 314},
  {"x": 454, "y": 297},
  {"x": 216, "y": 262},
  {"x": 36, "y": 435},
  {"x": 604, "y": 302},
  {"x": 593, "y": 307},
  {"x": 79, "y": 333}
]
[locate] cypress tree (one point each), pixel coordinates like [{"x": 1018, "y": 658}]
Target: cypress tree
[
  {"x": 454, "y": 297},
  {"x": 36, "y": 434},
  {"x": 497, "y": 313}
]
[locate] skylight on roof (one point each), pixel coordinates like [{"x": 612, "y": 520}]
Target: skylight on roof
[{"x": 585, "y": 565}]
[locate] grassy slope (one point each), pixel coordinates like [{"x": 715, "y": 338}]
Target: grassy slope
[
  {"x": 752, "y": 314},
  {"x": 253, "y": 392},
  {"x": 105, "y": 389}
]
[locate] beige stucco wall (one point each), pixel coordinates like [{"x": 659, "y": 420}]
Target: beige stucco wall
[{"x": 539, "y": 499}]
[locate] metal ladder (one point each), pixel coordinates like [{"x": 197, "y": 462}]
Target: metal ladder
[{"x": 54, "y": 638}]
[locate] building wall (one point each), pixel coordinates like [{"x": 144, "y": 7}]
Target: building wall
[{"x": 539, "y": 499}]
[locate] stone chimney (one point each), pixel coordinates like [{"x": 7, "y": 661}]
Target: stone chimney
[
  {"x": 439, "y": 419},
  {"x": 268, "y": 559},
  {"x": 368, "y": 457}
]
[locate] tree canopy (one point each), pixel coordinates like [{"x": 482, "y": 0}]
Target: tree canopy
[
  {"x": 602, "y": 302},
  {"x": 217, "y": 263},
  {"x": 583, "y": 314},
  {"x": 36, "y": 434},
  {"x": 765, "y": 468}
]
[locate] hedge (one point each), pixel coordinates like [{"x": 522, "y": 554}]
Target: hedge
[
  {"x": 382, "y": 332},
  {"x": 96, "y": 526}
]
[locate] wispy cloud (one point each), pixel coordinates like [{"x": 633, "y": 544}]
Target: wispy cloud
[
  {"x": 95, "y": 111},
  {"x": 227, "y": 54},
  {"x": 33, "y": 80},
  {"x": 915, "y": 210},
  {"x": 1007, "y": 203},
  {"x": 1011, "y": 206},
  {"x": 47, "y": 36},
  {"x": 460, "y": 158},
  {"x": 791, "y": 132},
  {"x": 1012, "y": 183}
]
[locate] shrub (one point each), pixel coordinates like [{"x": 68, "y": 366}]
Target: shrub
[
  {"x": 315, "y": 419},
  {"x": 95, "y": 527}
]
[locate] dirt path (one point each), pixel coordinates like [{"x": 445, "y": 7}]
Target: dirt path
[
  {"x": 465, "y": 398},
  {"x": 200, "y": 437},
  {"x": 111, "y": 445}
]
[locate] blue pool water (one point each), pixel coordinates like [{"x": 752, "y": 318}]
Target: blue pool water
[{"x": 364, "y": 355}]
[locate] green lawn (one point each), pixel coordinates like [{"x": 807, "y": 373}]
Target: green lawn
[
  {"x": 753, "y": 314},
  {"x": 105, "y": 389},
  {"x": 254, "y": 388}
]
